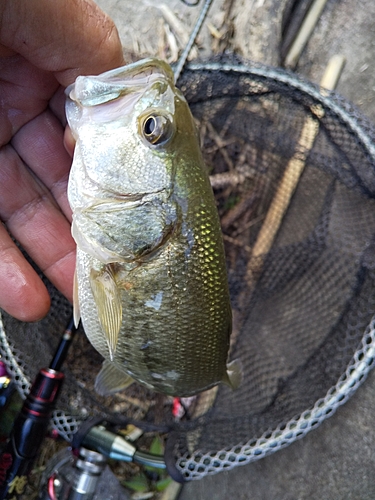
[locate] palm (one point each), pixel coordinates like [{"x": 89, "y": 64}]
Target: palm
[
  {"x": 42, "y": 44},
  {"x": 33, "y": 178}
]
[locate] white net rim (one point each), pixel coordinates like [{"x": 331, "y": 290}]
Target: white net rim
[{"x": 197, "y": 464}]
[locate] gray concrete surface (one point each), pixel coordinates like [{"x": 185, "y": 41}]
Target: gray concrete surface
[{"x": 337, "y": 460}]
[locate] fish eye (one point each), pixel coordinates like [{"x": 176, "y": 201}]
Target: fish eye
[{"x": 156, "y": 128}]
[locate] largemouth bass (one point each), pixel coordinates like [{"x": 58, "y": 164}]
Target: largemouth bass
[{"x": 151, "y": 285}]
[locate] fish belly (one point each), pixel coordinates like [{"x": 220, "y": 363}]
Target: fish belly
[{"x": 175, "y": 328}]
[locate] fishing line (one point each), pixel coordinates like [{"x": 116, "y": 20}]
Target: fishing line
[{"x": 198, "y": 25}]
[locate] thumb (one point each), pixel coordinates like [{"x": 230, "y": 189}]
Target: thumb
[{"x": 66, "y": 37}]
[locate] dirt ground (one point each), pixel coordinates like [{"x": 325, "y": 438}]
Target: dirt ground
[
  {"x": 253, "y": 29},
  {"x": 337, "y": 460}
]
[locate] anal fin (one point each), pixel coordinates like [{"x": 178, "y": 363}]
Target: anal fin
[
  {"x": 111, "y": 380},
  {"x": 108, "y": 302},
  {"x": 234, "y": 374}
]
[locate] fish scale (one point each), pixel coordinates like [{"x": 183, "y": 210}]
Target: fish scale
[{"x": 151, "y": 283}]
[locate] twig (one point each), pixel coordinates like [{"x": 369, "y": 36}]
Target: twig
[
  {"x": 304, "y": 33},
  {"x": 239, "y": 209},
  {"x": 172, "y": 43},
  {"x": 225, "y": 179},
  {"x": 332, "y": 73},
  {"x": 238, "y": 243},
  {"x": 289, "y": 181},
  {"x": 220, "y": 144}
]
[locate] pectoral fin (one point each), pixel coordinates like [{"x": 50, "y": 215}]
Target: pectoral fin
[
  {"x": 76, "y": 311},
  {"x": 108, "y": 302},
  {"x": 110, "y": 379},
  {"x": 234, "y": 374}
]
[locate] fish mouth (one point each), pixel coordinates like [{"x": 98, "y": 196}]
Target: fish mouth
[{"x": 91, "y": 91}]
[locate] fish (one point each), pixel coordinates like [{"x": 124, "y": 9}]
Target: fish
[{"x": 150, "y": 282}]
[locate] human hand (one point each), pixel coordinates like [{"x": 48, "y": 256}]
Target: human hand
[{"x": 44, "y": 46}]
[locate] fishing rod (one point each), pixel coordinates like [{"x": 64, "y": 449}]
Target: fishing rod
[
  {"x": 31, "y": 424},
  {"x": 77, "y": 475}
]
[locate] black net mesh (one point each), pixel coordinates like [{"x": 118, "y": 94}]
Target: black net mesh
[{"x": 294, "y": 179}]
